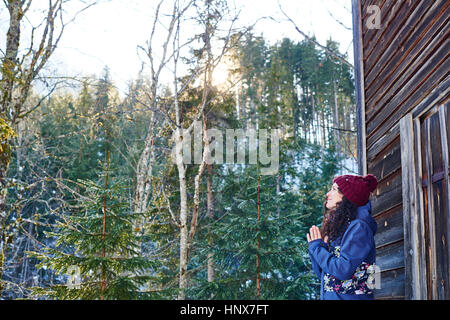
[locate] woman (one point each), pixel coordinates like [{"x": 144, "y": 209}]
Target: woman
[{"x": 342, "y": 252}]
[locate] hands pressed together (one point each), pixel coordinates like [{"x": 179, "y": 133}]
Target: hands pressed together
[{"x": 314, "y": 234}]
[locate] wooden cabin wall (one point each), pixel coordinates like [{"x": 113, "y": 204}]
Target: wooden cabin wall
[{"x": 405, "y": 65}]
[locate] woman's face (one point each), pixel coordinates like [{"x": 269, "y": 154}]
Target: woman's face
[{"x": 333, "y": 197}]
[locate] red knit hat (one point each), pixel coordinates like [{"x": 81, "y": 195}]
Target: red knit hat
[{"x": 357, "y": 189}]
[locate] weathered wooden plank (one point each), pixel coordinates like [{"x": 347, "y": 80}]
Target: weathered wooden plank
[
  {"x": 422, "y": 92},
  {"x": 429, "y": 218},
  {"x": 419, "y": 286},
  {"x": 392, "y": 285},
  {"x": 408, "y": 175},
  {"x": 383, "y": 143},
  {"x": 445, "y": 125},
  {"x": 437, "y": 192},
  {"x": 386, "y": 162},
  {"x": 438, "y": 95},
  {"x": 389, "y": 16},
  {"x": 359, "y": 87},
  {"x": 391, "y": 256},
  {"x": 442, "y": 237},
  {"x": 369, "y": 34},
  {"x": 399, "y": 32},
  {"x": 427, "y": 201},
  {"x": 443, "y": 212},
  {"x": 389, "y": 183},
  {"x": 387, "y": 212},
  {"x": 447, "y": 112},
  {"x": 420, "y": 85},
  {"x": 406, "y": 47},
  {"x": 407, "y": 82},
  {"x": 411, "y": 214},
  {"x": 444, "y": 119},
  {"x": 389, "y": 227},
  {"x": 389, "y": 199},
  {"x": 437, "y": 161}
]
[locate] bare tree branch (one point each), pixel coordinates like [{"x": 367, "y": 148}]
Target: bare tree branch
[
  {"x": 330, "y": 52},
  {"x": 338, "y": 21}
]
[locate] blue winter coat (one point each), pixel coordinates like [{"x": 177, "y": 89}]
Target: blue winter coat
[{"x": 345, "y": 265}]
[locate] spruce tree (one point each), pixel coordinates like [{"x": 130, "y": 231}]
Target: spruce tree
[{"x": 97, "y": 244}]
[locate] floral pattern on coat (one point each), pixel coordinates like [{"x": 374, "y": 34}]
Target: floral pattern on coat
[{"x": 358, "y": 284}]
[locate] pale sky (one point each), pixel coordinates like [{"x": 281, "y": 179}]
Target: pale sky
[{"x": 109, "y": 33}]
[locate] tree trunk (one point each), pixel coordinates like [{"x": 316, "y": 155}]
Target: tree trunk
[
  {"x": 183, "y": 216},
  {"x": 210, "y": 213},
  {"x": 105, "y": 198},
  {"x": 336, "y": 121},
  {"x": 15, "y": 85},
  {"x": 258, "y": 274},
  {"x": 322, "y": 118},
  {"x": 9, "y": 72},
  {"x": 144, "y": 172},
  {"x": 201, "y": 169},
  {"x": 313, "y": 116},
  {"x": 278, "y": 190}
]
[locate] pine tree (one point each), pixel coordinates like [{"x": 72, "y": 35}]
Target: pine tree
[
  {"x": 258, "y": 236},
  {"x": 96, "y": 241}
]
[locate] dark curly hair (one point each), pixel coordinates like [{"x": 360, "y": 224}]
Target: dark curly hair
[{"x": 335, "y": 222}]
